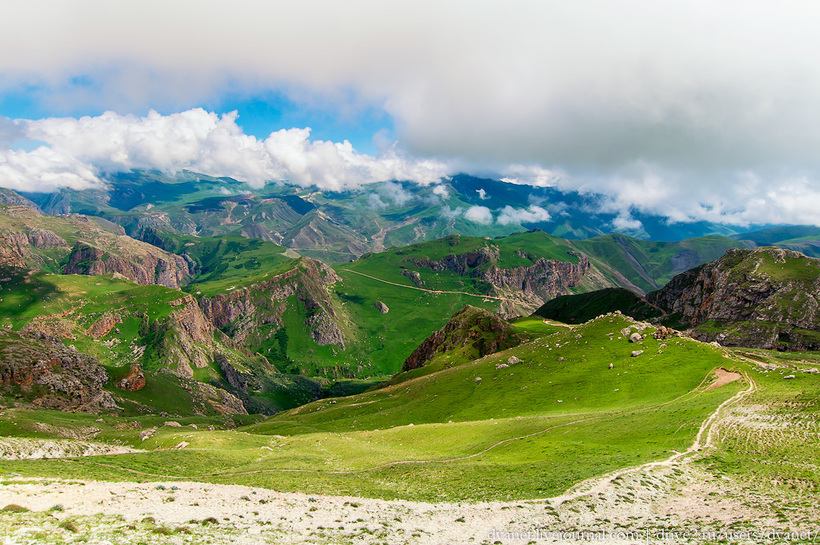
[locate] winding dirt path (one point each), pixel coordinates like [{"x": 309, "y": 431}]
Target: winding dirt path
[
  {"x": 597, "y": 485},
  {"x": 497, "y": 298}
]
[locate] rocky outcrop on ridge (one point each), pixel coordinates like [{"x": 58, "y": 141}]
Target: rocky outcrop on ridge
[
  {"x": 243, "y": 310},
  {"x": 146, "y": 265},
  {"x": 39, "y": 370},
  {"x": 545, "y": 279},
  {"x": 475, "y": 328},
  {"x": 764, "y": 298}
]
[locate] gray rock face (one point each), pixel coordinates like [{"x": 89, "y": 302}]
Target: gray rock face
[
  {"x": 40, "y": 370},
  {"x": 154, "y": 267},
  {"x": 244, "y": 310},
  {"x": 45, "y": 239},
  {"x": 381, "y": 307},
  {"x": 764, "y": 297},
  {"x": 543, "y": 280}
]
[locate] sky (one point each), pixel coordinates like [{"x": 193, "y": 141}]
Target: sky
[{"x": 695, "y": 110}]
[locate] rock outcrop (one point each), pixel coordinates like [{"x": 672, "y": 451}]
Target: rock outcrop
[
  {"x": 242, "y": 311},
  {"x": 141, "y": 265},
  {"x": 134, "y": 380},
  {"x": 764, "y": 298},
  {"x": 543, "y": 280},
  {"x": 478, "y": 330},
  {"x": 39, "y": 370}
]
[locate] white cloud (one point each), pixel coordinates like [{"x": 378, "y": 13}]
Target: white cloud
[
  {"x": 442, "y": 191},
  {"x": 215, "y": 145},
  {"x": 44, "y": 169},
  {"x": 375, "y": 202},
  {"x": 516, "y": 216},
  {"x": 479, "y": 214},
  {"x": 395, "y": 193},
  {"x": 451, "y": 213},
  {"x": 625, "y": 222},
  {"x": 482, "y": 194}
]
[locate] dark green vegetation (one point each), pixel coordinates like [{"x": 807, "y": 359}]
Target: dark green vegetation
[
  {"x": 576, "y": 309},
  {"x": 486, "y": 429}
]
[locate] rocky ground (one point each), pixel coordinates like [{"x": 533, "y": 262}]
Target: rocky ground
[{"x": 675, "y": 503}]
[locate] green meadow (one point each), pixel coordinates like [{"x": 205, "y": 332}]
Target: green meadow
[{"x": 474, "y": 431}]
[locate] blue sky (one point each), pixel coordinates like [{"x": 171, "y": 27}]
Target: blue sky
[
  {"x": 694, "y": 110},
  {"x": 259, "y": 113}
]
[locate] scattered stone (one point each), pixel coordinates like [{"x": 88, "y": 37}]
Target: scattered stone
[
  {"x": 635, "y": 338},
  {"x": 147, "y": 433},
  {"x": 612, "y": 366},
  {"x": 478, "y": 379},
  {"x": 134, "y": 380},
  {"x": 787, "y": 377},
  {"x": 381, "y": 307},
  {"x": 182, "y": 445},
  {"x": 513, "y": 360},
  {"x": 636, "y": 353},
  {"x": 561, "y": 358},
  {"x": 501, "y": 366},
  {"x": 172, "y": 424},
  {"x": 625, "y": 332}
]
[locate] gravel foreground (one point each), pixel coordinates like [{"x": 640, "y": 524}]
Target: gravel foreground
[{"x": 675, "y": 504}]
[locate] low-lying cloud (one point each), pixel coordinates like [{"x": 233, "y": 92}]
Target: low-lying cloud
[
  {"x": 517, "y": 216},
  {"x": 78, "y": 151}
]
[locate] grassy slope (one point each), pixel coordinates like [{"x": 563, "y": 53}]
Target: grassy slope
[
  {"x": 389, "y": 264},
  {"x": 771, "y": 441},
  {"x": 506, "y": 436},
  {"x": 648, "y": 265}
]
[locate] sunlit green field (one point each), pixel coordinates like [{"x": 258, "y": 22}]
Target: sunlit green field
[{"x": 529, "y": 430}]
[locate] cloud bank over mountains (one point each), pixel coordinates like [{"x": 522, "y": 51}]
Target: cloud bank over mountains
[
  {"x": 77, "y": 151},
  {"x": 695, "y": 110}
]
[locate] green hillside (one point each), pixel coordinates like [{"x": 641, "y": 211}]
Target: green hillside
[
  {"x": 479, "y": 430},
  {"x": 578, "y": 308},
  {"x": 647, "y": 265}
]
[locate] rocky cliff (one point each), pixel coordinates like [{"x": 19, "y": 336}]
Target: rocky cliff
[
  {"x": 187, "y": 338},
  {"x": 142, "y": 263},
  {"x": 242, "y": 311},
  {"x": 474, "y": 331},
  {"x": 534, "y": 284},
  {"x": 40, "y": 371},
  {"x": 766, "y": 298}
]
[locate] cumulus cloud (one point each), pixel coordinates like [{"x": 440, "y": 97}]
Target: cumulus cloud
[
  {"x": 442, "y": 191},
  {"x": 44, "y": 169},
  {"x": 625, "y": 222},
  {"x": 212, "y": 144},
  {"x": 516, "y": 216},
  {"x": 395, "y": 193},
  {"x": 10, "y": 131},
  {"x": 479, "y": 214}
]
